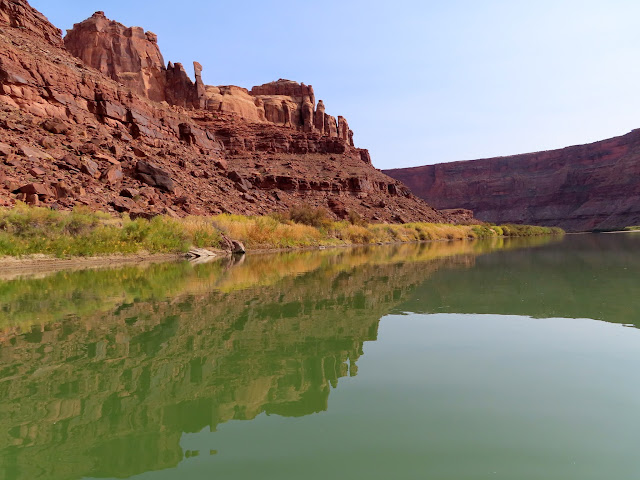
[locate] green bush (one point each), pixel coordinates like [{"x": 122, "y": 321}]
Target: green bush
[
  {"x": 308, "y": 215},
  {"x": 483, "y": 231},
  {"x": 26, "y": 230}
]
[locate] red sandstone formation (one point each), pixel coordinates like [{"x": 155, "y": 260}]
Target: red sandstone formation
[
  {"x": 579, "y": 188},
  {"x": 18, "y": 14},
  {"x": 114, "y": 129},
  {"x": 132, "y": 57}
]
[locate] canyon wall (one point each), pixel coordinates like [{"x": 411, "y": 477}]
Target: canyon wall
[
  {"x": 579, "y": 188},
  {"x": 131, "y": 56},
  {"x": 101, "y": 122}
]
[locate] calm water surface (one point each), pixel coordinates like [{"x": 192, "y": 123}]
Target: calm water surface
[{"x": 505, "y": 360}]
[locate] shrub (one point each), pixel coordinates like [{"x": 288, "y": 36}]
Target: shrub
[
  {"x": 356, "y": 219},
  {"x": 308, "y": 215}
]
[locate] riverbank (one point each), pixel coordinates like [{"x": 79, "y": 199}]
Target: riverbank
[{"x": 33, "y": 234}]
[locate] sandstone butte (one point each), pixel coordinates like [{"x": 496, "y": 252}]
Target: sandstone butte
[
  {"x": 98, "y": 119},
  {"x": 579, "y": 188}
]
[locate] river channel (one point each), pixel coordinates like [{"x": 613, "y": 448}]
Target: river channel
[{"x": 509, "y": 359}]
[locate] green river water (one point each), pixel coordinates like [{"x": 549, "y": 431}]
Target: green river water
[{"x": 502, "y": 360}]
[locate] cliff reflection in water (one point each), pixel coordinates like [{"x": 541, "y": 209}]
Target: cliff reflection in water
[
  {"x": 585, "y": 276},
  {"x": 101, "y": 372}
]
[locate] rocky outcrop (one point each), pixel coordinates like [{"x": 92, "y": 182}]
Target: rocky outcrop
[
  {"x": 131, "y": 56},
  {"x": 579, "y": 188},
  {"x": 91, "y": 134},
  {"x": 126, "y": 54},
  {"x": 293, "y": 104},
  {"x": 180, "y": 90},
  {"x": 19, "y": 14}
]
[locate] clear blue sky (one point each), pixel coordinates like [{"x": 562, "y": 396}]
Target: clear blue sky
[{"x": 419, "y": 81}]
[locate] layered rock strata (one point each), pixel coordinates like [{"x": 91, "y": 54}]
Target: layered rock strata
[
  {"x": 76, "y": 133},
  {"x": 131, "y": 56},
  {"x": 579, "y": 188},
  {"x": 19, "y": 14}
]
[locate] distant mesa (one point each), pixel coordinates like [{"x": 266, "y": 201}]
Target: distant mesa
[{"x": 579, "y": 188}]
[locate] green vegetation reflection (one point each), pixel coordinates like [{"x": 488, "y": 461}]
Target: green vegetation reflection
[{"x": 102, "y": 372}]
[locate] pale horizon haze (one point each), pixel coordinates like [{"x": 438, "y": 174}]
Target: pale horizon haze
[{"x": 420, "y": 82}]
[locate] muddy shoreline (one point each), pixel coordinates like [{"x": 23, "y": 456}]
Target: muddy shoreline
[
  {"x": 11, "y": 267},
  {"x": 14, "y": 267}
]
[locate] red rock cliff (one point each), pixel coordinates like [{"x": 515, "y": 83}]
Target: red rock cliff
[
  {"x": 19, "y": 14},
  {"x": 75, "y": 133},
  {"x": 579, "y": 188},
  {"x": 131, "y": 57}
]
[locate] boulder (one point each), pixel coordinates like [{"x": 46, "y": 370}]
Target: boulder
[
  {"x": 32, "y": 199},
  {"x": 122, "y": 204},
  {"x": 153, "y": 175},
  {"x": 112, "y": 175},
  {"x": 62, "y": 190},
  {"x": 33, "y": 153},
  {"x": 89, "y": 167},
  {"x": 241, "y": 183},
  {"x": 5, "y": 150},
  {"x": 39, "y": 189},
  {"x": 69, "y": 162},
  {"x": 129, "y": 192},
  {"x": 106, "y": 158},
  {"x": 55, "y": 126}
]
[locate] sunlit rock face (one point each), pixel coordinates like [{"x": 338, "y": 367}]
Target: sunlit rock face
[
  {"x": 93, "y": 121},
  {"x": 129, "y": 55}
]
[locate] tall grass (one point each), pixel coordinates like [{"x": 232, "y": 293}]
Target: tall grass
[
  {"x": 27, "y": 230},
  {"x": 282, "y": 231}
]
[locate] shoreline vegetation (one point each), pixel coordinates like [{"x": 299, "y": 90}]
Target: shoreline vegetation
[
  {"x": 28, "y": 231},
  {"x": 46, "y": 298}
]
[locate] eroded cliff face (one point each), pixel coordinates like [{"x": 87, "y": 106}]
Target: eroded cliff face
[
  {"x": 131, "y": 56},
  {"x": 19, "y": 14},
  {"x": 579, "y": 188},
  {"x": 128, "y": 55},
  {"x": 115, "y": 130}
]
